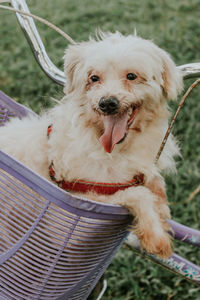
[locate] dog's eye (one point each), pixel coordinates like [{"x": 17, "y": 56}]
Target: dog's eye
[
  {"x": 131, "y": 76},
  {"x": 94, "y": 78}
]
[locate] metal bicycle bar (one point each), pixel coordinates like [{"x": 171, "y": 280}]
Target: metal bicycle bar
[
  {"x": 27, "y": 24},
  {"x": 30, "y": 31}
]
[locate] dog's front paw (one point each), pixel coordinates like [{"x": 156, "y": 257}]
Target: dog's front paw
[{"x": 155, "y": 242}]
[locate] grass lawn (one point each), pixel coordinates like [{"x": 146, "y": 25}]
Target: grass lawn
[{"x": 173, "y": 25}]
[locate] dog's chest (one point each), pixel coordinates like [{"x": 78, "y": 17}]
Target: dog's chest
[
  {"x": 78, "y": 154},
  {"x": 88, "y": 162}
]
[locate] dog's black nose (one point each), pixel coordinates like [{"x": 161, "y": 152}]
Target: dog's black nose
[{"x": 109, "y": 105}]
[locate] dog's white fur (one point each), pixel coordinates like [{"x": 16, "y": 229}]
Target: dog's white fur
[{"x": 74, "y": 144}]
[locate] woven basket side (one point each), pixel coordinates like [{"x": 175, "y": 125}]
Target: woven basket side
[{"x": 63, "y": 254}]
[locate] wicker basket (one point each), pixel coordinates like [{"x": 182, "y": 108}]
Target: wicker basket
[{"x": 52, "y": 245}]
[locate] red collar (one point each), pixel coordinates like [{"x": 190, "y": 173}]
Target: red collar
[{"x": 84, "y": 186}]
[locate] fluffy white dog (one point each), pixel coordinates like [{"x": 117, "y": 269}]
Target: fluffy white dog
[{"x": 106, "y": 131}]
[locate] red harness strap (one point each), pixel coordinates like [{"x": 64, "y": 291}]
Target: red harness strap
[{"x": 84, "y": 186}]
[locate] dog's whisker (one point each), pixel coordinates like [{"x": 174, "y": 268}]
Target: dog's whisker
[{"x": 54, "y": 100}]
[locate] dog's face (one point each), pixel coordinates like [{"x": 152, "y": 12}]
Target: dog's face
[{"x": 119, "y": 81}]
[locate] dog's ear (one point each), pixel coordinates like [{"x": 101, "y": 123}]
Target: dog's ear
[
  {"x": 72, "y": 61},
  {"x": 172, "y": 77}
]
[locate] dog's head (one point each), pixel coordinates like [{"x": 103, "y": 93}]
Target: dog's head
[{"x": 117, "y": 78}]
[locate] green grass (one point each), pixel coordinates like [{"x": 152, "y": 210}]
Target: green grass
[{"x": 173, "y": 25}]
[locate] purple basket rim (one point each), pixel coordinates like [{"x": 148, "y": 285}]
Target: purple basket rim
[{"x": 18, "y": 109}]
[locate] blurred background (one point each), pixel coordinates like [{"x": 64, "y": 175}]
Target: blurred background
[{"x": 172, "y": 25}]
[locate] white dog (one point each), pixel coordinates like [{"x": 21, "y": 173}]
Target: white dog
[{"x": 106, "y": 131}]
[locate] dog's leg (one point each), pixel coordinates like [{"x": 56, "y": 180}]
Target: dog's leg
[
  {"x": 149, "y": 223},
  {"x": 157, "y": 187}
]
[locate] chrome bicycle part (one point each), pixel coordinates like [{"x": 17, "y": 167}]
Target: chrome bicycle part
[{"x": 30, "y": 31}]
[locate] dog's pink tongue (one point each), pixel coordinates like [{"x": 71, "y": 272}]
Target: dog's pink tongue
[{"x": 115, "y": 129}]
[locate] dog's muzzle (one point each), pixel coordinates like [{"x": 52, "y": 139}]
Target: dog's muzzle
[{"x": 109, "y": 105}]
